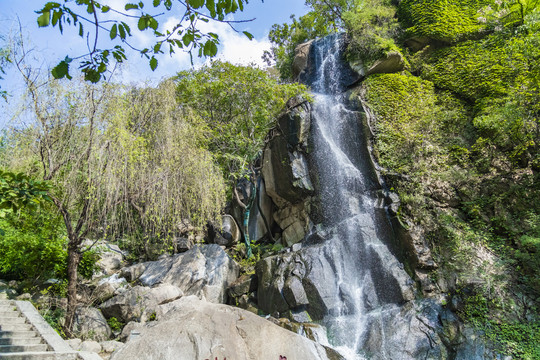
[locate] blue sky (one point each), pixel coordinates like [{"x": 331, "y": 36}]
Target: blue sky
[{"x": 49, "y": 47}]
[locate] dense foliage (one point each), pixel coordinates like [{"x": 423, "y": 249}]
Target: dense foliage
[
  {"x": 237, "y": 106},
  {"x": 458, "y": 139}
]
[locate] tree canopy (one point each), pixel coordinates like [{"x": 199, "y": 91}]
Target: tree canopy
[
  {"x": 93, "y": 18},
  {"x": 238, "y": 105}
]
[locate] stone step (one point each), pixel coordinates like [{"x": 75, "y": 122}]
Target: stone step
[
  {"x": 8, "y": 308},
  {"x": 12, "y": 320},
  {"x": 15, "y": 327},
  {"x": 23, "y": 348},
  {"x": 39, "y": 356},
  {"x": 21, "y": 341},
  {"x": 6, "y": 314},
  {"x": 17, "y": 334}
]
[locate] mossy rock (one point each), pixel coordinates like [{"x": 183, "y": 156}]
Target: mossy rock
[{"x": 446, "y": 21}]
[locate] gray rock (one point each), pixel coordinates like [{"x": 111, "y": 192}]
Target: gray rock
[
  {"x": 107, "y": 288},
  {"x": 110, "y": 346},
  {"x": 228, "y": 234},
  {"x": 111, "y": 258},
  {"x": 154, "y": 271},
  {"x": 90, "y": 346},
  {"x": 283, "y": 184},
  {"x": 133, "y": 326},
  {"x": 391, "y": 63},
  {"x": 89, "y": 323},
  {"x": 182, "y": 244},
  {"x": 245, "y": 284},
  {"x": 139, "y": 303},
  {"x": 301, "y": 56},
  {"x": 132, "y": 273},
  {"x": 326, "y": 289},
  {"x": 205, "y": 271},
  {"x": 294, "y": 292},
  {"x": 25, "y": 296},
  {"x": 295, "y": 124},
  {"x": 202, "y": 330},
  {"x": 75, "y": 344}
]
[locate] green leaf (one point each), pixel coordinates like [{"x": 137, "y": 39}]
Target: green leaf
[
  {"x": 187, "y": 39},
  {"x": 157, "y": 3},
  {"x": 102, "y": 67},
  {"x": 81, "y": 30},
  {"x": 122, "y": 31},
  {"x": 113, "y": 31},
  {"x": 249, "y": 36},
  {"x": 157, "y": 47},
  {"x": 210, "y": 48},
  {"x": 44, "y": 19},
  {"x": 152, "y": 23},
  {"x": 211, "y": 6},
  {"x": 153, "y": 63},
  {"x": 91, "y": 75},
  {"x": 196, "y": 3},
  {"x": 55, "y": 17},
  {"x": 142, "y": 24},
  {"x": 131, "y": 6},
  {"x": 127, "y": 28},
  {"x": 62, "y": 69},
  {"x": 105, "y": 9}
]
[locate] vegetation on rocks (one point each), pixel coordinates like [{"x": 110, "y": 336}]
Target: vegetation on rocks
[{"x": 459, "y": 143}]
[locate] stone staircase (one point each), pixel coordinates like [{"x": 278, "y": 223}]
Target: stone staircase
[{"x": 24, "y": 335}]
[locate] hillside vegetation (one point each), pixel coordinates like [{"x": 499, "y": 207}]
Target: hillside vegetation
[{"x": 457, "y": 134}]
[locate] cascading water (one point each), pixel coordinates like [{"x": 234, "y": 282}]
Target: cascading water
[{"x": 370, "y": 281}]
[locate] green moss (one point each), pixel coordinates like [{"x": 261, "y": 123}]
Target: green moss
[
  {"x": 411, "y": 117},
  {"x": 474, "y": 70},
  {"x": 443, "y": 20}
]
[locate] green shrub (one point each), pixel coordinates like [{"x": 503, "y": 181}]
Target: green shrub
[
  {"x": 33, "y": 245},
  {"x": 372, "y": 28},
  {"x": 115, "y": 324}
]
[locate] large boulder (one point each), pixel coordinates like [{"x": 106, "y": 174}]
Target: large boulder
[
  {"x": 139, "y": 303},
  {"x": 196, "y": 329},
  {"x": 285, "y": 166},
  {"x": 89, "y": 323},
  {"x": 205, "y": 270}
]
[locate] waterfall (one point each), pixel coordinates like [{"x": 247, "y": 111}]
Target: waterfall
[{"x": 370, "y": 283}]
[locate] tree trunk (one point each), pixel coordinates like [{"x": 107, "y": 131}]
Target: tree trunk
[{"x": 74, "y": 257}]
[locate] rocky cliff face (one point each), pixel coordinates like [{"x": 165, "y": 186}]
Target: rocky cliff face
[{"x": 348, "y": 261}]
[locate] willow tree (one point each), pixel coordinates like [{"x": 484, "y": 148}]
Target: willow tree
[{"x": 108, "y": 156}]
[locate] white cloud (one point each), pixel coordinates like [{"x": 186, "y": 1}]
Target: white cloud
[{"x": 234, "y": 47}]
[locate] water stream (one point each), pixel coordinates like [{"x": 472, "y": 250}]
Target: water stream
[{"x": 370, "y": 281}]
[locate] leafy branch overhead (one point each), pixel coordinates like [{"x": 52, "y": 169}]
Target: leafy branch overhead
[{"x": 104, "y": 19}]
